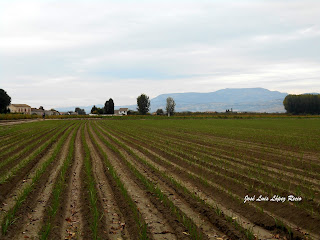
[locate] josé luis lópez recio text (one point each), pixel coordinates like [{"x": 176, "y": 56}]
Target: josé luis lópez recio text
[{"x": 275, "y": 198}]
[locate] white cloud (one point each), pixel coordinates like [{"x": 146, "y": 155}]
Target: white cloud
[{"x": 86, "y": 51}]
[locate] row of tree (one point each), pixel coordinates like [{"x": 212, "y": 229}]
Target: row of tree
[
  {"x": 143, "y": 104},
  {"x": 107, "y": 109},
  {"x": 302, "y": 104},
  {"x": 143, "y": 107},
  {"x": 80, "y": 111}
]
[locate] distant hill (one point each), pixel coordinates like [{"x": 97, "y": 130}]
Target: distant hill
[{"x": 239, "y": 99}]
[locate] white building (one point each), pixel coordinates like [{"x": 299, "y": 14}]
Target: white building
[
  {"x": 20, "y": 108},
  {"x": 123, "y": 111}
]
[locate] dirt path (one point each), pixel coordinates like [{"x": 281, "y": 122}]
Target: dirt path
[
  {"x": 72, "y": 218},
  {"x": 13, "y": 122},
  {"x": 114, "y": 221},
  {"x": 32, "y": 223},
  {"x": 156, "y": 222}
]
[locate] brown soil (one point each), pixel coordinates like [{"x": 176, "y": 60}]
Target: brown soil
[
  {"x": 27, "y": 214},
  {"x": 70, "y": 218},
  {"x": 86, "y": 205},
  {"x": 13, "y": 122},
  {"x": 41, "y": 138},
  {"x": 253, "y": 216},
  {"x": 7, "y": 187},
  {"x": 158, "y": 224},
  {"x": 203, "y": 216},
  {"x": 191, "y": 159},
  {"x": 114, "y": 223},
  {"x": 180, "y": 201},
  {"x": 222, "y": 173},
  {"x": 231, "y": 151},
  {"x": 31, "y": 223}
]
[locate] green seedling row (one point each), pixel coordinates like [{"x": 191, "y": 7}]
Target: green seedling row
[
  {"x": 248, "y": 179},
  {"x": 24, "y": 138},
  {"x": 35, "y": 143},
  {"x": 91, "y": 184},
  {"x": 15, "y": 170},
  {"x": 247, "y": 232},
  {"x": 58, "y": 189},
  {"x": 150, "y": 186},
  {"x": 141, "y": 225},
  {"x": 10, "y": 217}
]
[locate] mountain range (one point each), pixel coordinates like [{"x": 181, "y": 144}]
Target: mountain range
[{"x": 239, "y": 99}]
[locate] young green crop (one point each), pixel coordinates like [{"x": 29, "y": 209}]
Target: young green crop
[
  {"x": 9, "y": 218},
  {"x": 153, "y": 188},
  {"x": 25, "y": 161},
  {"x": 34, "y": 142},
  {"x": 150, "y": 186},
  {"x": 91, "y": 185},
  {"x": 58, "y": 189},
  {"x": 142, "y": 227}
]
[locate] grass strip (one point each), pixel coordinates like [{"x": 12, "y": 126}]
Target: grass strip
[{"x": 9, "y": 218}]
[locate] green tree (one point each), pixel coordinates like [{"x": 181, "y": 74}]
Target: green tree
[
  {"x": 143, "y": 103},
  {"x": 80, "y": 111},
  {"x": 100, "y": 110},
  {"x": 109, "y": 107},
  {"x": 131, "y": 112},
  {"x": 170, "y": 106},
  {"x": 302, "y": 104},
  {"x": 94, "y": 109},
  {"x": 5, "y": 101},
  {"x": 159, "y": 111}
]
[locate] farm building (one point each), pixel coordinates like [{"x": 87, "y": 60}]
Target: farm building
[
  {"x": 69, "y": 113},
  {"x": 36, "y": 111},
  {"x": 20, "y": 108},
  {"x": 123, "y": 111}
]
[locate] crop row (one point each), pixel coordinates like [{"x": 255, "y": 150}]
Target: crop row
[
  {"x": 212, "y": 210},
  {"x": 190, "y": 181},
  {"x": 169, "y": 151},
  {"x": 9, "y": 218},
  {"x": 223, "y": 161},
  {"x": 251, "y": 177}
]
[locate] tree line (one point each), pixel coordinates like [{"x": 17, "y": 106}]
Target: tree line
[
  {"x": 107, "y": 109},
  {"x": 143, "y": 104},
  {"x": 302, "y": 104},
  {"x": 143, "y": 107}
]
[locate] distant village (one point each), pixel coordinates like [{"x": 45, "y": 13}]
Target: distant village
[{"x": 26, "y": 109}]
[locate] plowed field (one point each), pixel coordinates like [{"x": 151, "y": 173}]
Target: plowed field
[{"x": 160, "y": 179}]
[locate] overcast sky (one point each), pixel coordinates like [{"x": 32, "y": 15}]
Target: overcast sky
[{"x": 80, "y": 53}]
